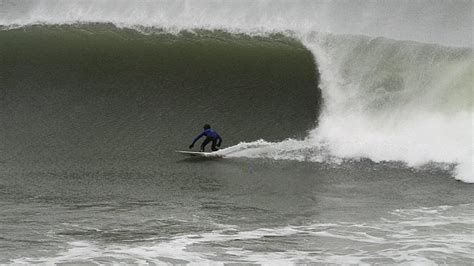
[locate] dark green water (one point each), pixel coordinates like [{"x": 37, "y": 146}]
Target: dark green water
[{"x": 104, "y": 96}]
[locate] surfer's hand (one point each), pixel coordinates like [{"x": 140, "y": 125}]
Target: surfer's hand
[{"x": 191, "y": 146}]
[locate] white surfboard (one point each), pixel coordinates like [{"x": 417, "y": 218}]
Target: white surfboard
[{"x": 200, "y": 154}]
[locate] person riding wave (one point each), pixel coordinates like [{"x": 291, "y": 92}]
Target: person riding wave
[{"x": 211, "y": 136}]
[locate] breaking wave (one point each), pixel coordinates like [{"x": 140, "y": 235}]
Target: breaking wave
[
  {"x": 391, "y": 93},
  {"x": 388, "y": 101}
]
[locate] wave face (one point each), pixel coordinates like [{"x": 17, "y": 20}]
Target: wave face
[
  {"x": 384, "y": 99},
  {"x": 98, "y": 94}
]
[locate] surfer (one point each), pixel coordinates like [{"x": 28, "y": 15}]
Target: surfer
[{"x": 211, "y": 136}]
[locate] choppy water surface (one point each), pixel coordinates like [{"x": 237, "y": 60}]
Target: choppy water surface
[{"x": 235, "y": 210}]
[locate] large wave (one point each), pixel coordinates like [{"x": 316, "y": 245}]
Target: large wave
[
  {"x": 386, "y": 97},
  {"x": 83, "y": 94}
]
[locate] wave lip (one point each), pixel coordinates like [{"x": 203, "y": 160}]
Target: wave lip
[{"x": 440, "y": 22}]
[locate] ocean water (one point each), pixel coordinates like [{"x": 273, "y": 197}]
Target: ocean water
[{"x": 347, "y": 130}]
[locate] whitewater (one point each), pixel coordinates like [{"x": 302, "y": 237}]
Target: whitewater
[{"x": 400, "y": 90}]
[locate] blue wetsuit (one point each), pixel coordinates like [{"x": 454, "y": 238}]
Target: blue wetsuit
[{"x": 211, "y": 135}]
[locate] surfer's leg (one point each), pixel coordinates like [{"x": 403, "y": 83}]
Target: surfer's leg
[
  {"x": 213, "y": 146},
  {"x": 204, "y": 143}
]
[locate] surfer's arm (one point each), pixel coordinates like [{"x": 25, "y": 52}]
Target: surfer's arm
[{"x": 196, "y": 139}]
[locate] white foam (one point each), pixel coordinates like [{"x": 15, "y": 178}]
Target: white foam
[
  {"x": 388, "y": 101},
  {"x": 410, "y": 236}
]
